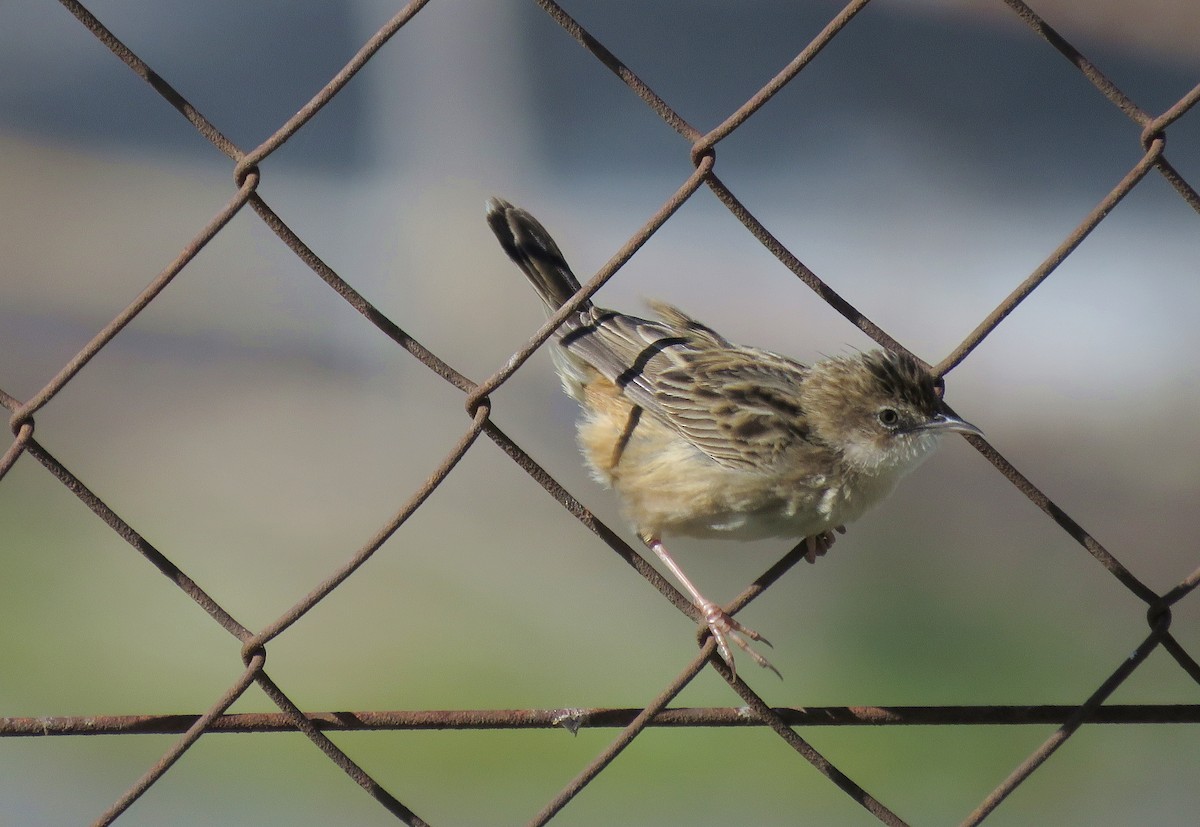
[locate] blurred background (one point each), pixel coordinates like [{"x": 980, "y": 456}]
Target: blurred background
[{"x": 257, "y": 430}]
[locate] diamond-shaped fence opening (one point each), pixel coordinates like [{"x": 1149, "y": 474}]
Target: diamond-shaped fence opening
[{"x": 262, "y": 613}]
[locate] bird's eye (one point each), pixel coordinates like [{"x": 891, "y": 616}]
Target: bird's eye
[{"x": 888, "y": 417}]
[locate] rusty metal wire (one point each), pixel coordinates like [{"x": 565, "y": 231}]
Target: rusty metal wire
[
  {"x": 1151, "y": 136},
  {"x": 593, "y": 718}
]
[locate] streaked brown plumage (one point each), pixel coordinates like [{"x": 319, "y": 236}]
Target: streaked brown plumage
[{"x": 706, "y": 438}]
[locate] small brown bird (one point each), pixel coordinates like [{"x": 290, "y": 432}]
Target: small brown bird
[{"x": 705, "y": 438}]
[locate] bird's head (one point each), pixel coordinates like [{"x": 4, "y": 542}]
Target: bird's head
[{"x": 879, "y": 410}]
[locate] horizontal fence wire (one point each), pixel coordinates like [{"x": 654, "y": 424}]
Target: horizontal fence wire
[
  {"x": 573, "y": 719},
  {"x": 1148, "y": 131}
]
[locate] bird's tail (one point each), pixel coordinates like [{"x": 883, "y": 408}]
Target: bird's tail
[{"x": 528, "y": 244}]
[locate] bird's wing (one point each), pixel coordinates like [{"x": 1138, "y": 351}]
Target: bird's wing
[{"x": 737, "y": 404}]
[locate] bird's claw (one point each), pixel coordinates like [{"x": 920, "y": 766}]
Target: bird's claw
[
  {"x": 818, "y": 545},
  {"x": 724, "y": 628}
]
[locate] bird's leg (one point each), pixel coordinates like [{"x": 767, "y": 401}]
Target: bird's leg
[
  {"x": 819, "y": 544},
  {"x": 723, "y": 626}
]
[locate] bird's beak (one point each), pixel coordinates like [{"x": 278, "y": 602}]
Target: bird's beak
[{"x": 945, "y": 422}]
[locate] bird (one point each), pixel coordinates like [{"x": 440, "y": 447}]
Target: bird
[{"x": 701, "y": 437}]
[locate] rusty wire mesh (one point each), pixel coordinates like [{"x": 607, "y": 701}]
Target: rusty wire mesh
[{"x": 1148, "y": 130}]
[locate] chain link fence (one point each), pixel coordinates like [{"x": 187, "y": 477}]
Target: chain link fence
[{"x": 1149, "y": 131}]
